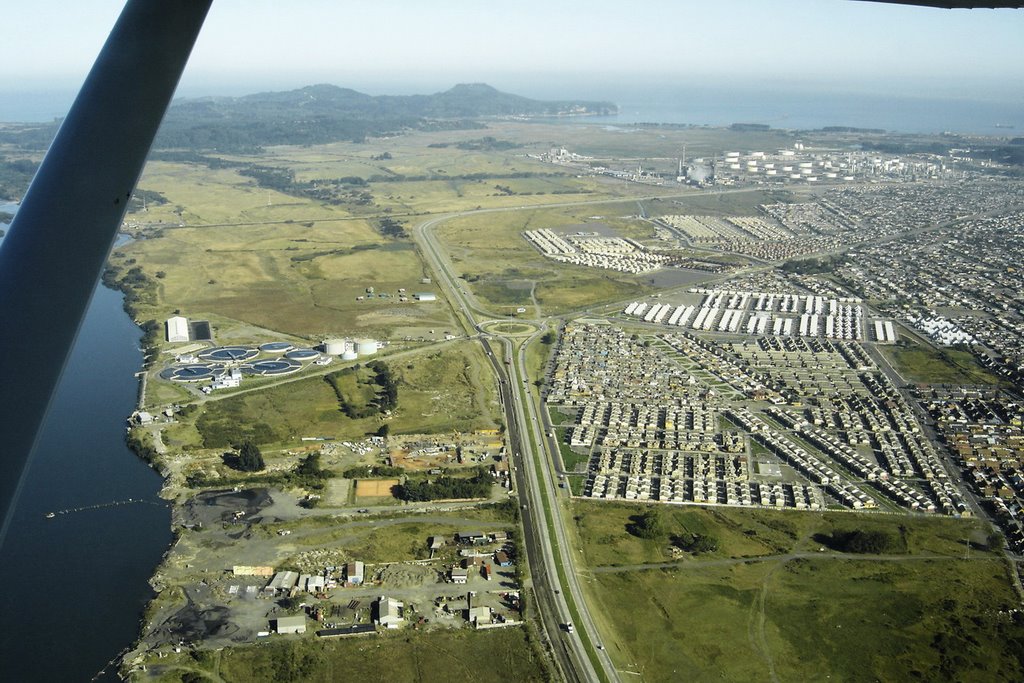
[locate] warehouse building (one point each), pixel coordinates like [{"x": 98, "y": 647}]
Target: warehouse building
[
  {"x": 296, "y": 624},
  {"x": 177, "y": 329}
]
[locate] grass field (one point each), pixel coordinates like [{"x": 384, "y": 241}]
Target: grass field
[
  {"x": 805, "y": 620},
  {"x": 500, "y": 654},
  {"x": 439, "y": 391},
  {"x": 752, "y": 610},
  {"x": 920, "y": 363},
  {"x": 500, "y": 267},
  {"x": 295, "y": 265},
  {"x": 755, "y": 533},
  {"x": 570, "y": 458}
]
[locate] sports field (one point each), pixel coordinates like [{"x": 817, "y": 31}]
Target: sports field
[{"x": 375, "y": 488}]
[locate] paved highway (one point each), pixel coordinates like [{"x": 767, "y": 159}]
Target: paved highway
[{"x": 546, "y": 544}]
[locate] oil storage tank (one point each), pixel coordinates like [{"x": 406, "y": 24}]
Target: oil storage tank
[
  {"x": 334, "y": 347},
  {"x": 366, "y": 347}
]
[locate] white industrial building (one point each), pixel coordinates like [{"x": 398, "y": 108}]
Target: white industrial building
[
  {"x": 424, "y": 296},
  {"x": 354, "y": 572},
  {"x": 296, "y": 624},
  {"x": 177, "y": 329},
  {"x": 389, "y": 612}
]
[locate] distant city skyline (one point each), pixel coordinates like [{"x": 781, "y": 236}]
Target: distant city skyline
[{"x": 402, "y": 46}]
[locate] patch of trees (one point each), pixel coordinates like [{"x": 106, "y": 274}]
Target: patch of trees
[
  {"x": 182, "y": 156},
  {"x": 445, "y": 487},
  {"x": 385, "y": 391},
  {"x": 897, "y": 147},
  {"x": 696, "y": 543},
  {"x": 152, "y": 333},
  {"x": 750, "y": 127},
  {"x": 1012, "y": 155},
  {"x": 310, "y": 468},
  {"x": 15, "y": 175},
  {"x": 468, "y": 177},
  {"x": 227, "y": 424},
  {"x": 487, "y": 143},
  {"x": 145, "y": 198},
  {"x": 648, "y": 525},
  {"x": 389, "y": 227},
  {"x": 141, "y": 447},
  {"x": 504, "y": 189},
  {"x": 248, "y": 459},
  {"x": 387, "y": 399},
  {"x": 548, "y": 337},
  {"x": 136, "y": 286},
  {"x": 270, "y": 177},
  {"x": 307, "y": 473},
  {"x": 813, "y": 266},
  {"x": 508, "y": 509},
  {"x": 861, "y": 542},
  {"x": 30, "y": 137}
]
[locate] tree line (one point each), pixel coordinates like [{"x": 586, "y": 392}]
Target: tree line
[{"x": 445, "y": 487}]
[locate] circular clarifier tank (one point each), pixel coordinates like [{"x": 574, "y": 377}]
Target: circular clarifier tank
[
  {"x": 191, "y": 373},
  {"x": 302, "y": 354},
  {"x": 276, "y": 347},
  {"x": 271, "y": 367},
  {"x": 228, "y": 354}
]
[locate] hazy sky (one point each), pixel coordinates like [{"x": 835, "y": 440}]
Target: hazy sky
[{"x": 533, "y": 46}]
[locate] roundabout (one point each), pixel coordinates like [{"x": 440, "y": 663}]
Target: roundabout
[{"x": 509, "y": 328}]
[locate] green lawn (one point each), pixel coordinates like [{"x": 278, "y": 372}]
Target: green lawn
[{"x": 920, "y": 363}]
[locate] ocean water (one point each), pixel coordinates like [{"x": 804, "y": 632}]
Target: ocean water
[{"x": 720, "y": 107}]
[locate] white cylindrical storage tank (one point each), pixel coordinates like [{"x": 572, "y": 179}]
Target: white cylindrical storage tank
[
  {"x": 366, "y": 347},
  {"x": 349, "y": 355},
  {"x": 334, "y": 347}
]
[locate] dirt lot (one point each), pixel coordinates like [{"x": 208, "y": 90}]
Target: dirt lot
[{"x": 375, "y": 488}]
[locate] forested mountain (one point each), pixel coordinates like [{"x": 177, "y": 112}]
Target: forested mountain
[{"x": 324, "y": 113}]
